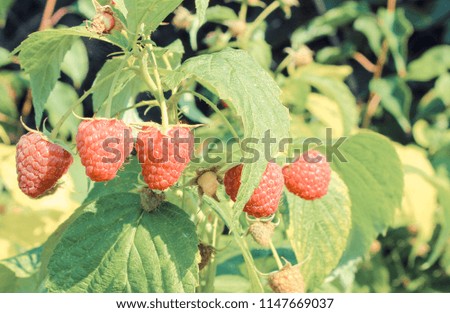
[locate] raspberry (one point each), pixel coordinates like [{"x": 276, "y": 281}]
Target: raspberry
[
  {"x": 103, "y": 145},
  {"x": 266, "y": 197},
  {"x": 288, "y": 279},
  {"x": 262, "y": 232},
  {"x": 40, "y": 164},
  {"x": 164, "y": 157},
  {"x": 309, "y": 176}
]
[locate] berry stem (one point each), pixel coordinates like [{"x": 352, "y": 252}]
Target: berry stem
[
  {"x": 155, "y": 88},
  {"x": 113, "y": 86},
  {"x": 162, "y": 100},
  {"x": 69, "y": 111},
  {"x": 275, "y": 255},
  {"x": 214, "y": 107},
  {"x": 63, "y": 118},
  {"x": 261, "y": 17},
  {"x": 243, "y": 11}
]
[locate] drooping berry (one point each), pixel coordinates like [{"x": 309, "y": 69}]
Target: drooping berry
[
  {"x": 287, "y": 280},
  {"x": 103, "y": 145},
  {"x": 206, "y": 254},
  {"x": 40, "y": 164},
  {"x": 164, "y": 157},
  {"x": 309, "y": 176},
  {"x": 266, "y": 197}
]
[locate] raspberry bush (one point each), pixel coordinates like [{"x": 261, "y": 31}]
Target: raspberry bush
[{"x": 221, "y": 148}]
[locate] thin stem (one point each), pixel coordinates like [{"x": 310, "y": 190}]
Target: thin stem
[
  {"x": 150, "y": 103},
  {"x": 69, "y": 111},
  {"x": 47, "y": 15},
  {"x": 61, "y": 121},
  {"x": 364, "y": 61},
  {"x": 212, "y": 267},
  {"x": 391, "y": 4},
  {"x": 162, "y": 99},
  {"x": 243, "y": 11},
  {"x": 275, "y": 255},
  {"x": 374, "y": 100},
  {"x": 58, "y": 15},
  {"x": 283, "y": 64},
  {"x": 372, "y": 107},
  {"x": 214, "y": 107},
  {"x": 261, "y": 17},
  {"x": 113, "y": 86},
  {"x": 146, "y": 76}
]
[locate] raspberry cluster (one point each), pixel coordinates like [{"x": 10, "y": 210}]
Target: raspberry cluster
[{"x": 103, "y": 146}]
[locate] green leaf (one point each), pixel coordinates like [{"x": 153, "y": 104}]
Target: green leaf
[
  {"x": 4, "y": 8},
  {"x": 442, "y": 88},
  {"x": 337, "y": 91},
  {"x": 189, "y": 109},
  {"x": 123, "y": 182},
  {"x": 295, "y": 93},
  {"x": 5, "y": 57},
  {"x": 420, "y": 196},
  {"x": 439, "y": 249},
  {"x": 174, "y": 53},
  {"x": 62, "y": 97},
  {"x": 238, "y": 80},
  {"x": 373, "y": 174},
  {"x": 395, "y": 97},
  {"x": 368, "y": 25},
  {"x": 201, "y": 6},
  {"x": 198, "y": 21},
  {"x": 261, "y": 51},
  {"x": 219, "y": 14},
  {"x": 397, "y": 30},
  {"x": 76, "y": 63},
  {"x": 147, "y": 14},
  {"x": 318, "y": 230},
  {"x": 10, "y": 86},
  {"x": 333, "y": 55},
  {"x": 18, "y": 274},
  {"x": 121, "y": 84},
  {"x": 328, "y": 23},
  {"x": 41, "y": 55},
  {"x": 431, "y": 64},
  {"x": 327, "y": 112},
  {"x": 120, "y": 248}
]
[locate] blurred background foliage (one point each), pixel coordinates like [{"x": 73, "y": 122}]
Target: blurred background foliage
[{"x": 340, "y": 64}]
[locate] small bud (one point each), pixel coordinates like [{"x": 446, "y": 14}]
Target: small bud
[
  {"x": 183, "y": 18},
  {"x": 301, "y": 57},
  {"x": 262, "y": 232},
  {"x": 208, "y": 183},
  {"x": 236, "y": 27}
]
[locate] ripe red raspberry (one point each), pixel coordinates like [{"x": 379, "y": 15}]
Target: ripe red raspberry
[
  {"x": 164, "y": 157},
  {"x": 103, "y": 145},
  {"x": 39, "y": 164},
  {"x": 266, "y": 197},
  {"x": 309, "y": 176},
  {"x": 288, "y": 279}
]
